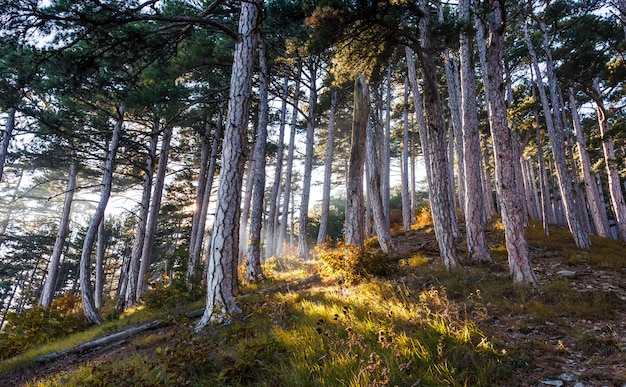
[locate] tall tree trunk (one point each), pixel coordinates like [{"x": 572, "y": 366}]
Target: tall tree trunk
[
  {"x": 477, "y": 248},
  {"x": 598, "y": 213},
  {"x": 303, "y": 244},
  {"x": 454, "y": 102},
  {"x": 272, "y": 217},
  {"x": 386, "y": 152},
  {"x": 47, "y": 293},
  {"x": 245, "y": 211},
  {"x": 223, "y": 254},
  {"x": 515, "y": 235},
  {"x": 615, "y": 186},
  {"x": 193, "y": 267},
  {"x": 6, "y": 138},
  {"x": 375, "y": 195},
  {"x": 86, "y": 291},
  {"x": 355, "y": 219},
  {"x": 328, "y": 169},
  {"x": 435, "y": 146},
  {"x": 406, "y": 199},
  {"x": 253, "y": 257},
  {"x": 282, "y": 233},
  {"x": 205, "y": 153},
  {"x": 558, "y": 149},
  {"x": 130, "y": 273},
  {"x": 487, "y": 186},
  {"x": 100, "y": 251},
  {"x": 155, "y": 207}
]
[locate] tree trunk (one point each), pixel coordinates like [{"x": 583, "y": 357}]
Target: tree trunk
[
  {"x": 303, "y": 244},
  {"x": 477, "y": 248},
  {"x": 558, "y": 149},
  {"x": 615, "y": 186},
  {"x": 223, "y": 254},
  {"x": 86, "y": 291},
  {"x": 328, "y": 169},
  {"x": 47, "y": 293},
  {"x": 193, "y": 267},
  {"x": 155, "y": 207},
  {"x": 406, "y": 199},
  {"x": 272, "y": 217},
  {"x": 245, "y": 211},
  {"x": 130, "y": 273},
  {"x": 6, "y": 138},
  {"x": 355, "y": 219},
  {"x": 205, "y": 152},
  {"x": 489, "y": 203},
  {"x": 375, "y": 195},
  {"x": 282, "y": 234},
  {"x": 515, "y": 235},
  {"x": 100, "y": 251},
  {"x": 434, "y": 144},
  {"x": 253, "y": 257},
  {"x": 386, "y": 153},
  {"x": 454, "y": 102},
  {"x": 598, "y": 213}
]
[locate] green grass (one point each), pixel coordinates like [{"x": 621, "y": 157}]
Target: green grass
[{"x": 421, "y": 324}]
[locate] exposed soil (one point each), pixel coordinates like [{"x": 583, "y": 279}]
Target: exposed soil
[{"x": 561, "y": 351}]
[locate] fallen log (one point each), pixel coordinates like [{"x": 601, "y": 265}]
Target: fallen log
[{"x": 102, "y": 341}]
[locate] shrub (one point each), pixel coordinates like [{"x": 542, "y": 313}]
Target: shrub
[
  {"x": 351, "y": 262},
  {"x": 40, "y": 325}
]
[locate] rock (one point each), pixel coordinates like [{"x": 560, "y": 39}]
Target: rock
[
  {"x": 579, "y": 384},
  {"x": 567, "y": 376},
  {"x": 566, "y": 273},
  {"x": 556, "y": 383}
]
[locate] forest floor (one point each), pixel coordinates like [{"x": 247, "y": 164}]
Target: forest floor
[{"x": 556, "y": 340}]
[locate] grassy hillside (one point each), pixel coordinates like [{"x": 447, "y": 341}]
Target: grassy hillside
[{"x": 376, "y": 320}]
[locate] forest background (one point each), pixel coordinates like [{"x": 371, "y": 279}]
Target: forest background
[{"x": 193, "y": 112}]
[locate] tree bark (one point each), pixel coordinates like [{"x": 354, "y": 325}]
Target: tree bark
[
  {"x": 303, "y": 244},
  {"x": 434, "y": 144},
  {"x": 130, "y": 273},
  {"x": 558, "y": 148},
  {"x": 596, "y": 207},
  {"x": 328, "y": 168},
  {"x": 245, "y": 211},
  {"x": 386, "y": 152},
  {"x": 253, "y": 257},
  {"x": 6, "y": 138},
  {"x": 515, "y": 235},
  {"x": 47, "y": 293},
  {"x": 193, "y": 267},
  {"x": 272, "y": 217},
  {"x": 223, "y": 254},
  {"x": 355, "y": 218},
  {"x": 282, "y": 234},
  {"x": 155, "y": 207},
  {"x": 375, "y": 197},
  {"x": 615, "y": 186},
  {"x": 86, "y": 291},
  {"x": 100, "y": 251},
  {"x": 406, "y": 199},
  {"x": 474, "y": 212}
]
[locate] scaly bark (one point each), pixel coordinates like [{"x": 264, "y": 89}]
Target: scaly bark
[
  {"x": 223, "y": 253},
  {"x": 355, "y": 219},
  {"x": 253, "y": 257},
  {"x": 515, "y": 235},
  {"x": 477, "y": 248}
]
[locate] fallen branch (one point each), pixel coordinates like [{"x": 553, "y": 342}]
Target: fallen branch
[{"x": 102, "y": 341}]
